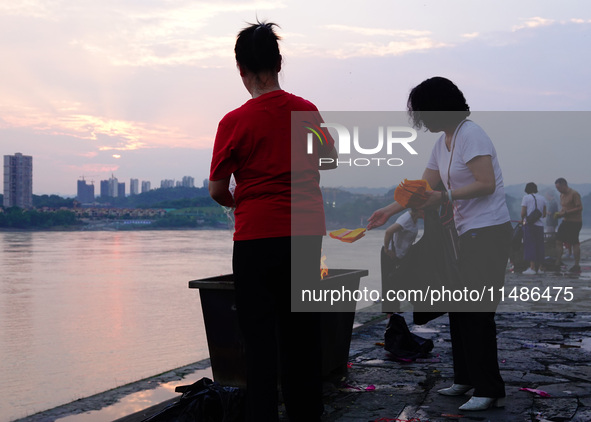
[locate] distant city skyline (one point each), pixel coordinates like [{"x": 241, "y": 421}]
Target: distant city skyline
[
  {"x": 111, "y": 187},
  {"x": 138, "y": 88}
]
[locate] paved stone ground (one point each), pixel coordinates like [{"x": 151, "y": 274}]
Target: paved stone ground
[
  {"x": 543, "y": 351},
  {"x": 546, "y": 351}
]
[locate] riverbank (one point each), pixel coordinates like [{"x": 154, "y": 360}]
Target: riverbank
[
  {"x": 108, "y": 226},
  {"x": 545, "y": 351}
]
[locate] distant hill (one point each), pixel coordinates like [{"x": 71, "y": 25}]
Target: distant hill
[
  {"x": 365, "y": 190},
  {"x": 517, "y": 191},
  {"x": 351, "y": 206},
  {"x": 177, "y": 197}
]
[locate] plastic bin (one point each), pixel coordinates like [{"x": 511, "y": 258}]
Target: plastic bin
[{"x": 226, "y": 348}]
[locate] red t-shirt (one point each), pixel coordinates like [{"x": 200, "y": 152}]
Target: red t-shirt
[{"x": 254, "y": 142}]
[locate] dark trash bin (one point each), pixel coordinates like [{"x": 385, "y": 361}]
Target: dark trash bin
[{"x": 226, "y": 348}]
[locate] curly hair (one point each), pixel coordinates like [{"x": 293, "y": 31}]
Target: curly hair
[{"x": 430, "y": 98}]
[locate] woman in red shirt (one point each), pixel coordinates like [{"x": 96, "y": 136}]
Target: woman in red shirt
[{"x": 279, "y": 224}]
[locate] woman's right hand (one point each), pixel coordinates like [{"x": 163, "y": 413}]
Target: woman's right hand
[
  {"x": 381, "y": 216},
  {"x": 378, "y": 218}
]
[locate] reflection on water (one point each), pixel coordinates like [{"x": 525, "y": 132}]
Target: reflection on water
[
  {"x": 83, "y": 312},
  {"x": 138, "y": 401}
]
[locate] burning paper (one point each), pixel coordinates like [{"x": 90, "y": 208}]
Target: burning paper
[{"x": 323, "y": 267}]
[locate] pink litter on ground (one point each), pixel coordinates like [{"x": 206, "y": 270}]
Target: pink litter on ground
[
  {"x": 538, "y": 392},
  {"x": 370, "y": 387}
]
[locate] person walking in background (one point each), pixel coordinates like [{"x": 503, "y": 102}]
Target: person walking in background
[
  {"x": 572, "y": 214},
  {"x": 551, "y": 221},
  {"x": 465, "y": 160},
  {"x": 254, "y": 143},
  {"x": 533, "y": 231}
]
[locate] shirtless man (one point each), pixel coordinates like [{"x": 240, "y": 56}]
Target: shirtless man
[{"x": 572, "y": 214}]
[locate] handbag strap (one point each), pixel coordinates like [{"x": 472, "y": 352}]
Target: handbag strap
[
  {"x": 453, "y": 147},
  {"x": 535, "y": 202}
]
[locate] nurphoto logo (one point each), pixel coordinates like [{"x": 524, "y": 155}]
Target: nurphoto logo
[{"x": 387, "y": 137}]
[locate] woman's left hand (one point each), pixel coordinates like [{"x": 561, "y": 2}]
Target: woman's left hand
[{"x": 434, "y": 199}]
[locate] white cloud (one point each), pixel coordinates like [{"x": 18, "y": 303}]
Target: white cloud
[
  {"x": 403, "y": 33},
  {"x": 471, "y": 35},
  {"x": 171, "y": 36},
  {"x": 194, "y": 52},
  {"x": 392, "y": 48},
  {"x": 394, "y": 42},
  {"x": 39, "y": 9},
  {"x": 534, "y": 22},
  {"x": 106, "y": 134},
  {"x": 139, "y": 33}
]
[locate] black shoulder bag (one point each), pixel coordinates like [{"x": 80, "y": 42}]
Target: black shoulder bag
[{"x": 535, "y": 215}]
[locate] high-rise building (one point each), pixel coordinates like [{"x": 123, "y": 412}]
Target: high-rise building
[
  {"x": 134, "y": 186},
  {"x": 121, "y": 190},
  {"x": 188, "y": 182},
  {"x": 18, "y": 180},
  {"x": 85, "y": 192},
  {"x": 167, "y": 183},
  {"x": 146, "y": 186},
  {"x": 110, "y": 188},
  {"x": 104, "y": 188},
  {"x": 113, "y": 186}
]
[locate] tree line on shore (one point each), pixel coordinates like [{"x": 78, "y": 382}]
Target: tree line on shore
[{"x": 193, "y": 208}]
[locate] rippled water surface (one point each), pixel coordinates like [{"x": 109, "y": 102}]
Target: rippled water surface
[{"x": 83, "y": 312}]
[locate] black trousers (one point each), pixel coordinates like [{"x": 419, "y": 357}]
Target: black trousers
[
  {"x": 483, "y": 261},
  {"x": 277, "y": 340}
]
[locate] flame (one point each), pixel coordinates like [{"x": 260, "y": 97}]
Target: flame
[{"x": 323, "y": 267}]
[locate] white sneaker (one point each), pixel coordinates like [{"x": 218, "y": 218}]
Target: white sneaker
[{"x": 529, "y": 271}]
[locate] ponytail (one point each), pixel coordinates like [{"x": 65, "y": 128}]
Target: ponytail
[{"x": 257, "y": 47}]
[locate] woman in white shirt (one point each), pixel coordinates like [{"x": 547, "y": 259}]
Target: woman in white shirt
[
  {"x": 465, "y": 161},
  {"x": 533, "y": 232}
]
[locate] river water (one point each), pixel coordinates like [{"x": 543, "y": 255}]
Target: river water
[{"x": 85, "y": 312}]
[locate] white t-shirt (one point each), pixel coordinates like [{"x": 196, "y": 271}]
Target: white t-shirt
[
  {"x": 470, "y": 142},
  {"x": 403, "y": 239},
  {"x": 528, "y": 201}
]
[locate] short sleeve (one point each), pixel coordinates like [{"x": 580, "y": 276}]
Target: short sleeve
[
  {"x": 405, "y": 221},
  {"x": 479, "y": 144},
  {"x": 223, "y": 162}
]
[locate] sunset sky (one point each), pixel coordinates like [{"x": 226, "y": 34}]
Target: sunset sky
[{"x": 136, "y": 88}]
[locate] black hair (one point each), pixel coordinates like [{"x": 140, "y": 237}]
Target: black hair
[
  {"x": 436, "y": 94},
  {"x": 561, "y": 181},
  {"x": 531, "y": 187},
  {"x": 257, "y": 47}
]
